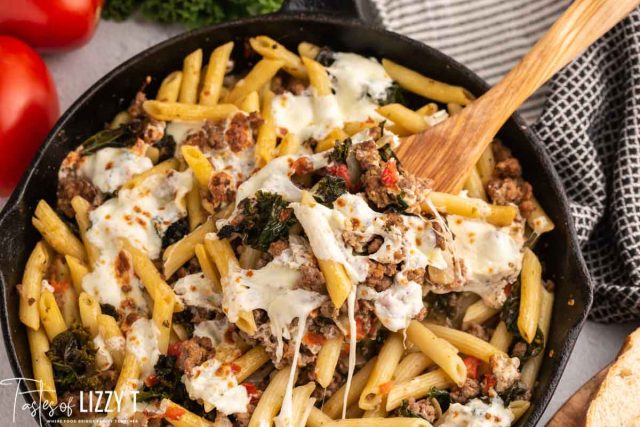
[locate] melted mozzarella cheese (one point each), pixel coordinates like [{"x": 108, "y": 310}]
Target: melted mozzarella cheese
[
  {"x": 396, "y": 305},
  {"x": 239, "y": 165},
  {"x": 103, "y": 357},
  {"x": 141, "y": 215},
  {"x": 355, "y": 99},
  {"x": 492, "y": 255},
  {"x": 109, "y": 168},
  {"x": 271, "y": 288},
  {"x": 476, "y": 413},
  {"x": 179, "y": 130},
  {"x": 196, "y": 290},
  {"x": 215, "y": 385},
  {"x": 142, "y": 342}
]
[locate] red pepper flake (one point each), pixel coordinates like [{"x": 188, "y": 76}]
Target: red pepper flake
[
  {"x": 174, "y": 413},
  {"x": 390, "y": 177},
  {"x": 312, "y": 338},
  {"x": 341, "y": 170},
  {"x": 489, "y": 382},
  {"x": 151, "y": 380},
  {"x": 59, "y": 286},
  {"x": 251, "y": 388},
  {"x": 472, "y": 365},
  {"x": 174, "y": 349},
  {"x": 235, "y": 368},
  {"x": 385, "y": 388}
]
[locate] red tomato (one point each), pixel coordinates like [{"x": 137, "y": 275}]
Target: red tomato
[
  {"x": 29, "y": 108},
  {"x": 472, "y": 366},
  {"x": 174, "y": 413},
  {"x": 489, "y": 382},
  {"x": 51, "y": 25},
  {"x": 390, "y": 175},
  {"x": 174, "y": 349}
]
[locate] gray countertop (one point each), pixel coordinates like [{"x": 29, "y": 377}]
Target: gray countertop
[{"x": 113, "y": 43}]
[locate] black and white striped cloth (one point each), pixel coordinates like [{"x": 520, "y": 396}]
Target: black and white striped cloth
[{"x": 590, "y": 120}]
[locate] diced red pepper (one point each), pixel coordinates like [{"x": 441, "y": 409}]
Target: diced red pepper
[
  {"x": 235, "y": 368},
  {"x": 251, "y": 388},
  {"x": 151, "y": 380},
  {"x": 341, "y": 170},
  {"x": 472, "y": 365},
  {"x": 390, "y": 176},
  {"x": 174, "y": 413},
  {"x": 489, "y": 382},
  {"x": 174, "y": 349},
  {"x": 385, "y": 388}
]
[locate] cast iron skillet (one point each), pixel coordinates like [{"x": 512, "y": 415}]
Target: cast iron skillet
[{"x": 333, "y": 23}]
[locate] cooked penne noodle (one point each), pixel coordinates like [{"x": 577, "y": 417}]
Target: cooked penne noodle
[
  {"x": 250, "y": 103},
  {"x": 69, "y": 305},
  {"x": 194, "y": 208},
  {"x": 411, "y": 366},
  {"x": 532, "y": 366},
  {"x": 464, "y": 342},
  {"x": 380, "y": 422},
  {"x": 50, "y": 315},
  {"x": 518, "y": 408},
  {"x": 271, "y": 400},
  {"x": 214, "y": 77},
  {"x": 29, "y": 290},
  {"x": 472, "y": 208},
  {"x": 170, "y": 87},
  {"x": 501, "y": 338},
  {"x": 333, "y": 406},
  {"x": 351, "y": 128},
  {"x": 149, "y": 275},
  {"x": 300, "y": 398},
  {"x": 424, "y": 86},
  {"x": 269, "y": 48},
  {"x": 486, "y": 164},
  {"x": 308, "y": 50},
  {"x": 478, "y": 312},
  {"x": 437, "y": 350},
  {"x": 163, "y": 307},
  {"x": 453, "y": 108},
  {"x": 328, "y": 360},
  {"x": 290, "y": 145},
  {"x": 530, "y": 295},
  {"x": 260, "y": 74},
  {"x": 404, "y": 117},
  {"x": 428, "y": 109},
  {"x": 177, "y": 254},
  {"x": 42, "y": 368},
  {"x": 330, "y": 140},
  {"x": 178, "y": 416},
  {"x": 123, "y": 117},
  {"x": 317, "y": 418},
  {"x": 77, "y": 270},
  {"x": 266, "y": 140},
  {"x": 417, "y": 387},
  {"x": 191, "y": 77},
  {"x": 382, "y": 373},
  {"x": 250, "y": 362},
  {"x": 199, "y": 164},
  {"x": 318, "y": 77},
  {"x": 160, "y": 168},
  {"x": 108, "y": 328},
  {"x": 56, "y": 233},
  {"x": 474, "y": 185},
  {"x": 82, "y": 207},
  {"x": 89, "y": 312},
  {"x": 208, "y": 268},
  {"x": 188, "y": 112},
  {"x": 128, "y": 378},
  {"x": 538, "y": 220}
]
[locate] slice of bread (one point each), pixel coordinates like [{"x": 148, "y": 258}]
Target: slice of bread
[{"x": 617, "y": 402}]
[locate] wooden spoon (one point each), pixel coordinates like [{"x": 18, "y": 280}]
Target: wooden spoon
[{"x": 447, "y": 152}]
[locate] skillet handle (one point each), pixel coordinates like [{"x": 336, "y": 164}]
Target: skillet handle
[{"x": 362, "y": 10}]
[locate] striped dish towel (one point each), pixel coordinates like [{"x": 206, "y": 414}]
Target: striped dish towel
[
  {"x": 488, "y": 36},
  {"x": 587, "y": 117}
]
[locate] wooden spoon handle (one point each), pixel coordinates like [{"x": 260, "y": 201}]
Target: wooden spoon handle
[{"x": 584, "y": 22}]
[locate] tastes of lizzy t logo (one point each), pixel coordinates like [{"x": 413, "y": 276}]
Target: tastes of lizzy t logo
[{"x": 98, "y": 403}]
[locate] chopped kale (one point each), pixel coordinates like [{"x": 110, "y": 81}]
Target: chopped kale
[
  {"x": 167, "y": 381},
  {"x": 166, "y": 146},
  {"x": 175, "y": 232},
  {"x": 341, "y": 151},
  {"x": 393, "y": 95},
  {"x": 404, "y": 411},
  {"x": 110, "y": 310},
  {"x": 442, "y": 396},
  {"x": 122, "y": 136},
  {"x": 264, "y": 219},
  {"x": 534, "y": 348},
  {"x": 73, "y": 356},
  {"x": 329, "y": 188},
  {"x": 509, "y": 315},
  {"x": 518, "y": 391},
  {"x": 386, "y": 153},
  {"x": 399, "y": 205},
  {"x": 326, "y": 57}
]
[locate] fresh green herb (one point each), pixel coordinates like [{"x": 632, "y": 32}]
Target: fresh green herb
[
  {"x": 341, "y": 151},
  {"x": 122, "y": 136},
  {"x": 192, "y": 13},
  {"x": 329, "y": 188},
  {"x": 386, "y": 153},
  {"x": 73, "y": 356},
  {"x": 264, "y": 219},
  {"x": 166, "y": 146},
  {"x": 442, "y": 396},
  {"x": 534, "y": 348},
  {"x": 168, "y": 381}
]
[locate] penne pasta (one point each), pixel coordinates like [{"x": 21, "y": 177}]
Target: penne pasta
[
  {"x": 404, "y": 117},
  {"x": 290, "y": 145},
  {"x": 56, "y": 233},
  {"x": 532, "y": 366},
  {"x": 269, "y": 48},
  {"x": 424, "y": 86},
  {"x": 478, "y": 312},
  {"x": 250, "y": 103},
  {"x": 380, "y": 422},
  {"x": 160, "y": 168},
  {"x": 77, "y": 270},
  {"x": 163, "y": 307},
  {"x": 250, "y": 362},
  {"x": 497, "y": 215},
  {"x": 208, "y": 268},
  {"x": 271, "y": 400},
  {"x": 190, "y": 77},
  {"x": 170, "y": 87},
  {"x": 417, "y": 388},
  {"x": 501, "y": 338},
  {"x": 81, "y": 208},
  {"x": 538, "y": 220},
  {"x": 266, "y": 140},
  {"x": 199, "y": 164},
  {"x": 308, "y": 50},
  {"x": 530, "y": 295},
  {"x": 214, "y": 77},
  {"x": 317, "y": 418},
  {"x": 428, "y": 109},
  {"x": 474, "y": 185},
  {"x": 318, "y": 77},
  {"x": 486, "y": 164},
  {"x": 300, "y": 399},
  {"x": 29, "y": 290},
  {"x": 330, "y": 140},
  {"x": 50, "y": 315},
  {"x": 333, "y": 406},
  {"x": 464, "y": 342},
  {"x": 382, "y": 373},
  {"x": 188, "y": 112},
  {"x": 89, "y": 312},
  {"x": 518, "y": 408},
  {"x": 111, "y": 333},
  {"x": 261, "y": 73},
  {"x": 128, "y": 378},
  {"x": 328, "y": 360},
  {"x": 177, "y": 254},
  {"x": 42, "y": 368},
  {"x": 178, "y": 416}
]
